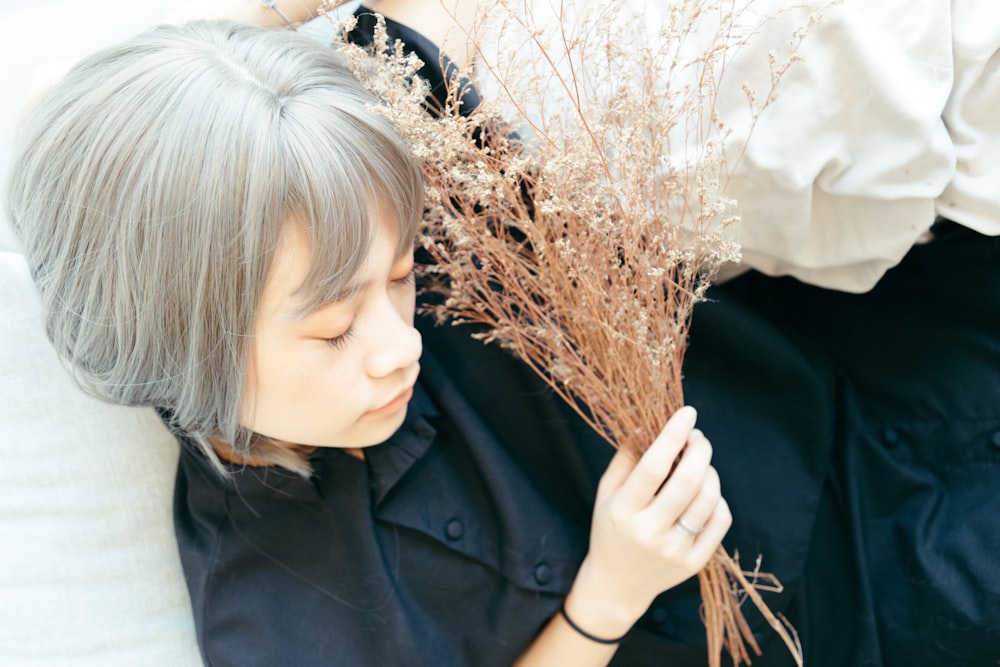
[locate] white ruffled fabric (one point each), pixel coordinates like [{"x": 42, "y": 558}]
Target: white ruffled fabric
[{"x": 888, "y": 121}]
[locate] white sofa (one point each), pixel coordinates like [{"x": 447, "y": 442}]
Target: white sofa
[{"x": 89, "y": 571}]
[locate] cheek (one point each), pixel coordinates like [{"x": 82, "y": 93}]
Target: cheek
[
  {"x": 274, "y": 375},
  {"x": 267, "y": 350},
  {"x": 278, "y": 397}
]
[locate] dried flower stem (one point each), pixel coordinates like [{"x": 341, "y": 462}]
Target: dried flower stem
[{"x": 578, "y": 215}]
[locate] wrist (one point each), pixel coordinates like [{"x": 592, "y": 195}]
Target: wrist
[
  {"x": 606, "y": 641},
  {"x": 598, "y": 608}
]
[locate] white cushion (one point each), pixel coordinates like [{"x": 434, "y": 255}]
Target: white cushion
[{"x": 89, "y": 571}]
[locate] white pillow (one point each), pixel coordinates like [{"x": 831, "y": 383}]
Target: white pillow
[{"x": 89, "y": 570}]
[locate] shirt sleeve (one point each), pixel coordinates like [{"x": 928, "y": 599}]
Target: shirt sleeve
[
  {"x": 884, "y": 121},
  {"x": 859, "y": 152},
  {"x": 973, "y": 195}
]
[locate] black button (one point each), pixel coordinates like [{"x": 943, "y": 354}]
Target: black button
[
  {"x": 543, "y": 573},
  {"x": 454, "y": 529},
  {"x": 890, "y": 437}
]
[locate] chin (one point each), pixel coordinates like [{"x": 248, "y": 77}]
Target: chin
[{"x": 386, "y": 427}]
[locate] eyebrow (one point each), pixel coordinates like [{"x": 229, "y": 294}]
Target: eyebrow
[
  {"x": 308, "y": 307},
  {"x": 343, "y": 294}
]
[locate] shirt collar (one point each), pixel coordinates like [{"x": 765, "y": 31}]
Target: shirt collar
[{"x": 388, "y": 462}]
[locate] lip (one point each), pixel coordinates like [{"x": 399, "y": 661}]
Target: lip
[{"x": 401, "y": 400}]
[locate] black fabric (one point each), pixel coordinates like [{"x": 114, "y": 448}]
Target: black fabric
[
  {"x": 437, "y": 69},
  {"x": 902, "y": 567},
  {"x": 858, "y": 442},
  {"x": 436, "y": 550},
  {"x": 564, "y": 458},
  {"x": 857, "y": 438},
  {"x": 738, "y": 396}
]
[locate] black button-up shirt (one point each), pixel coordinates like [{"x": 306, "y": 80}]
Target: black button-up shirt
[
  {"x": 454, "y": 541},
  {"x": 435, "y": 550}
]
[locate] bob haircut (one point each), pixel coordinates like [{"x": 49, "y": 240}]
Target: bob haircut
[{"x": 149, "y": 189}]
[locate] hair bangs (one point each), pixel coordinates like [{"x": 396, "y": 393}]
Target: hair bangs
[
  {"x": 150, "y": 190},
  {"x": 345, "y": 180}
]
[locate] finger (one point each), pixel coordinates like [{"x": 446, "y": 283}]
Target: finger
[
  {"x": 614, "y": 476},
  {"x": 696, "y": 515},
  {"x": 685, "y": 482},
  {"x": 653, "y": 468},
  {"x": 711, "y": 537}
]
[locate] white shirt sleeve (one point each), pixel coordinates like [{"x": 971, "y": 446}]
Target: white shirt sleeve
[
  {"x": 887, "y": 121},
  {"x": 972, "y": 116}
]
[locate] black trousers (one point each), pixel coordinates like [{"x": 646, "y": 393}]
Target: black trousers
[
  {"x": 858, "y": 441},
  {"x": 890, "y": 498}
]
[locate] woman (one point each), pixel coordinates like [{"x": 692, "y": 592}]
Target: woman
[
  {"x": 848, "y": 372},
  {"x": 221, "y": 227}
]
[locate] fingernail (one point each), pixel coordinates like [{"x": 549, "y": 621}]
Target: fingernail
[{"x": 688, "y": 414}]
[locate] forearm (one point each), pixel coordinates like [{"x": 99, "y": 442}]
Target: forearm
[
  {"x": 449, "y": 24},
  {"x": 559, "y": 644},
  {"x": 249, "y": 11},
  {"x": 593, "y": 608}
]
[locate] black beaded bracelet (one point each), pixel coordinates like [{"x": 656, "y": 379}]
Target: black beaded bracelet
[{"x": 584, "y": 633}]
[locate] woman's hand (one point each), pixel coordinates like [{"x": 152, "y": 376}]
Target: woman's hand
[{"x": 656, "y": 523}]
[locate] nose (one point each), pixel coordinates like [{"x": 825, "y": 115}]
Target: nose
[{"x": 397, "y": 345}]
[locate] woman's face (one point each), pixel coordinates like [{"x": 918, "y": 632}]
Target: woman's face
[{"x": 343, "y": 375}]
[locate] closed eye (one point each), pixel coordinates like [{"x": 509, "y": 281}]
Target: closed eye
[{"x": 340, "y": 341}]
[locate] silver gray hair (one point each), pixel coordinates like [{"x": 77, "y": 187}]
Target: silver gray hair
[{"x": 149, "y": 188}]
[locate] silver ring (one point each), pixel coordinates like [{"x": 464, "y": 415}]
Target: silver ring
[{"x": 686, "y": 529}]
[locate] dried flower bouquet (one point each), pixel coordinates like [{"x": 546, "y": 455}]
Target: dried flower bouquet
[{"x": 578, "y": 212}]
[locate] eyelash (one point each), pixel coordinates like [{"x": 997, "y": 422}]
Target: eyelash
[{"x": 342, "y": 340}]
